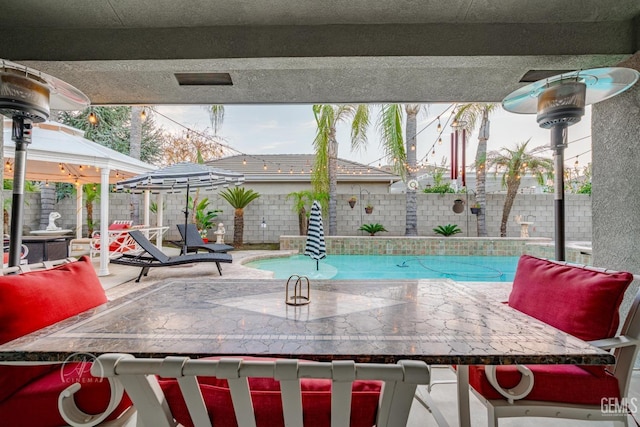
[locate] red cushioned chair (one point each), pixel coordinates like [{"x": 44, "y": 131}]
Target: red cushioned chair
[
  {"x": 584, "y": 302},
  {"x": 118, "y": 242},
  {"x": 260, "y": 392},
  {"x": 29, "y": 393}
]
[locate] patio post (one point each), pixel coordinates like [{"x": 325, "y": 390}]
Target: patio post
[
  {"x": 104, "y": 222},
  {"x": 21, "y": 134},
  {"x": 159, "y": 216},
  {"x": 79, "y": 197}
]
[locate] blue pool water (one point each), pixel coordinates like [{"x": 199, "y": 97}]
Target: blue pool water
[{"x": 459, "y": 268}]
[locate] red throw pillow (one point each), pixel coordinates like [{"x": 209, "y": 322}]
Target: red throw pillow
[
  {"x": 579, "y": 301},
  {"x": 267, "y": 401},
  {"x": 32, "y": 301}
]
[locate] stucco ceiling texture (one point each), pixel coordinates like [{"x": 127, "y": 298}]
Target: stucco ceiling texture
[{"x": 283, "y": 51}]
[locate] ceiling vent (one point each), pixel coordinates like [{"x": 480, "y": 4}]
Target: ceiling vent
[{"x": 204, "y": 79}]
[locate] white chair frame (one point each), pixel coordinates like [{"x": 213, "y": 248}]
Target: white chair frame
[
  {"x": 123, "y": 239},
  {"x": 138, "y": 378},
  {"x": 625, "y": 348}
]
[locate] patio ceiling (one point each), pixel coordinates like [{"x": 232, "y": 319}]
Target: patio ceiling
[{"x": 282, "y": 51}]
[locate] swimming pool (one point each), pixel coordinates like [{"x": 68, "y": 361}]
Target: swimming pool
[{"x": 459, "y": 268}]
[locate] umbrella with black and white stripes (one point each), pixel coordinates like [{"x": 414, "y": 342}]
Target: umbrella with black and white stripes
[{"x": 315, "y": 246}]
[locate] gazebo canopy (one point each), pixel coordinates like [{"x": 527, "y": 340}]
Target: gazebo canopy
[{"x": 55, "y": 146}]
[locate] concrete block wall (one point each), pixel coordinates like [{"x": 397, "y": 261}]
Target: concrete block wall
[{"x": 389, "y": 210}]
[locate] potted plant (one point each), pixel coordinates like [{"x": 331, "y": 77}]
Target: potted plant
[
  {"x": 475, "y": 208},
  {"x": 447, "y": 230},
  {"x": 369, "y": 208},
  {"x": 205, "y": 218},
  {"x": 352, "y": 201},
  {"x": 372, "y": 229}
]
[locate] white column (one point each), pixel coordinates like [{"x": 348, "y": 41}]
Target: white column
[
  {"x": 159, "y": 217},
  {"x": 147, "y": 194},
  {"x": 79, "y": 196},
  {"x": 104, "y": 222}
]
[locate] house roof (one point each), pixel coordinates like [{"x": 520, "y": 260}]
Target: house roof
[{"x": 298, "y": 167}]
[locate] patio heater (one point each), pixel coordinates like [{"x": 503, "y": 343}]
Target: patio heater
[
  {"x": 559, "y": 102},
  {"x": 25, "y": 96}
]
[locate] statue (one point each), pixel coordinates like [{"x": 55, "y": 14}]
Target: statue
[
  {"x": 220, "y": 233},
  {"x": 52, "y": 221}
]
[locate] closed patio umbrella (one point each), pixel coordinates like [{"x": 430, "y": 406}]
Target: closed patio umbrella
[{"x": 315, "y": 246}]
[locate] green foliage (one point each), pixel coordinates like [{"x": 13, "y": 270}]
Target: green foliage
[
  {"x": 439, "y": 186},
  {"x": 113, "y": 130},
  {"x": 447, "y": 230},
  {"x": 29, "y": 186},
  {"x": 585, "y": 188},
  {"x": 372, "y": 229},
  {"x": 442, "y": 188},
  {"x": 204, "y": 218},
  {"x": 64, "y": 190},
  {"x": 239, "y": 197}
]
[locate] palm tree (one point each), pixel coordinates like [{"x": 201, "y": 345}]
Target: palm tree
[
  {"x": 239, "y": 198},
  {"x": 300, "y": 200},
  {"x": 390, "y": 129},
  {"x": 135, "y": 148},
  {"x": 470, "y": 113},
  {"x": 324, "y": 178},
  {"x": 91, "y": 194},
  {"x": 515, "y": 163}
]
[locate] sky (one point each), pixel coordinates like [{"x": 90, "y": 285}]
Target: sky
[{"x": 290, "y": 129}]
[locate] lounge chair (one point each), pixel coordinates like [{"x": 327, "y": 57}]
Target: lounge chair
[
  {"x": 154, "y": 257},
  {"x": 195, "y": 243}
]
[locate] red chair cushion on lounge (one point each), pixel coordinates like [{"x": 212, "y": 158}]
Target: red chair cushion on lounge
[
  {"x": 36, "y": 403},
  {"x": 265, "y": 395},
  {"x": 581, "y": 302},
  {"x": 552, "y": 383},
  {"x": 31, "y": 301}
]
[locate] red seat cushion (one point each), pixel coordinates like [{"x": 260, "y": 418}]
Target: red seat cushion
[
  {"x": 265, "y": 395},
  {"x": 31, "y": 301},
  {"x": 552, "y": 383},
  {"x": 36, "y": 402},
  {"x": 581, "y": 302}
]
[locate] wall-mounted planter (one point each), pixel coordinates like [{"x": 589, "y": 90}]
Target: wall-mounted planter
[
  {"x": 368, "y": 209},
  {"x": 352, "y": 203},
  {"x": 458, "y": 206},
  {"x": 475, "y": 211}
]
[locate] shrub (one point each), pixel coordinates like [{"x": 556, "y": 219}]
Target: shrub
[
  {"x": 372, "y": 229},
  {"x": 447, "y": 230}
]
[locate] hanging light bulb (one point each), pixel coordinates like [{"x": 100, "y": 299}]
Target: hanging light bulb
[
  {"x": 439, "y": 127},
  {"x": 7, "y": 165},
  {"x": 291, "y": 170},
  {"x": 95, "y": 188},
  {"x": 81, "y": 167},
  {"x": 433, "y": 153},
  {"x": 46, "y": 183},
  {"x": 93, "y": 118},
  {"x": 264, "y": 166},
  {"x": 439, "y": 141},
  {"x": 279, "y": 170},
  {"x": 143, "y": 114},
  {"x": 413, "y": 147},
  {"x": 244, "y": 161}
]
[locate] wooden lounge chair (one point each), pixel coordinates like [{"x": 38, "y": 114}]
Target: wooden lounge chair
[
  {"x": 154, "y": 257},
  {"x": 255, "y": 391},
  {"x": 195, "y": 243}
]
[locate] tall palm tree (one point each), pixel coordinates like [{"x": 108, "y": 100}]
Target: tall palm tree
[
  {"x": 515, "y": 163},
  {"x": 324, "y": 178},
  {"x": 390, "y": 129},
  {"x": 91, "y": 194},
  {"x": 135, "y": 149},
  {"x": 470, "y": 113},
  {"x": 239, "y": 198}
]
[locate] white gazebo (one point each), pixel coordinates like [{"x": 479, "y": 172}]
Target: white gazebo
[{"x": 60, "y": 153}]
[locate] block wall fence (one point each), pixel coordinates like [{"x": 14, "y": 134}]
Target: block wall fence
[{"x": 389, "y": 210}]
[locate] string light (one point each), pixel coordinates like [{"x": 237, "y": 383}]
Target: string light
[
  {"x": 264, "y": 166},
  {"x": 439, "y": 127},
  {"x": 143, "y": 114},
  {"x": 93, "y": 118},
  {"x": 46, "y": 183},
  {"x": 244, "y": 161}
]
